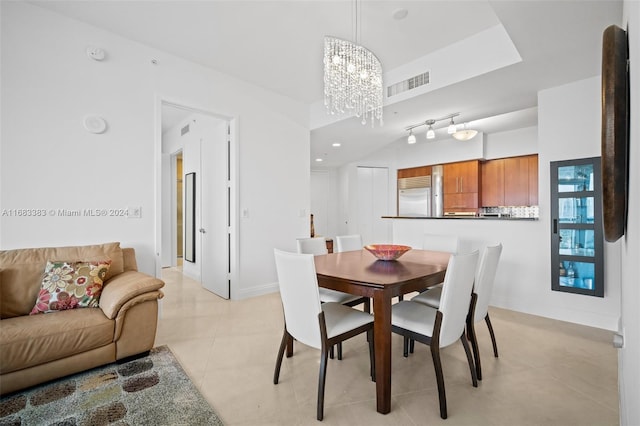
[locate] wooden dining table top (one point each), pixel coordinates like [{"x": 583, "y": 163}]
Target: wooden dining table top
[{"x": 361, "y": 267}]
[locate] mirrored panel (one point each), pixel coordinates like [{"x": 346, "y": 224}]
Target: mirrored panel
[
  {"x": 575, "y": 178},
  {"x": 577, "y": 275},
  {"x": 576, "y": 210},
  {"x": 190, "y": 217},
  {"x": 577, "y": 242}
]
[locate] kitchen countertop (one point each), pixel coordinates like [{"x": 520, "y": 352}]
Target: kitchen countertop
[{"x": 463, "y": 218}]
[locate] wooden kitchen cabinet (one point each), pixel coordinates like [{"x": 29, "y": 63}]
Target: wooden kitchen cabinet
[
  {"x": 462, "y": 202},
  {"x": 492, "y": 193},
  {"x": 533, "y": 180},
  {"x": 510, "y": 181},
  {"x": 414, "y": 172},
  {"x": 460, "y": 178},
  {"x": 516, "y": 181},
  {"x": 461, "y": 182}
]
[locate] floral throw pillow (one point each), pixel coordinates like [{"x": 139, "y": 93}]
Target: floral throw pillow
[{"x": 70, "y": 285}]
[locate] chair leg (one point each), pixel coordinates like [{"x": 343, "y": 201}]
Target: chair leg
[
  {"x": 340, "y": 351},
  {"x": 405, "y": 346},
  {"x": 437, "y": 365},
  {"x": 283, "y": 346},
  {"x": 372, "y": 357},
  {"x": 367, "y": 305},
  {"x": 493, "y": 336},
  {"x": 289, "y": 346},
  {"x": 412, "y": 345},
  {"x": 465, "y": 344},
  {"x": 322, "y": 378},
  {"x": 471, "y": 334},
  {"x": 331, "y": 353}
]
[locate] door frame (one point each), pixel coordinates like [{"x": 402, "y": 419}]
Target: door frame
[{"x": 233, "y": 168}]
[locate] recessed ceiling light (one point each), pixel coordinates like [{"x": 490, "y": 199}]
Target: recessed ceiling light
[
  {"x": 400, "y": 13},
  {"x": 335, "y": 144},
  {"x": 318, "y": 159}
]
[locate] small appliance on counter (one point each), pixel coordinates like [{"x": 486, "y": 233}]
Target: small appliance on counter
[{"x": 460, "y": 214}]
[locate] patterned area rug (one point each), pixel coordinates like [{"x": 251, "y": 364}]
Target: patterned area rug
[{"x": 153, "y": 390}]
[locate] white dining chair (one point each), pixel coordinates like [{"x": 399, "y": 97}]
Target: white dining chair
[
  {"x": 315, "y": 324},
  {"x": 313, "y": 245},
  {"x": 439, "y": 242},
  {"x": 439, "y": 328},
  {"x": 483, "y": 287},
  {"x": 348, "y": 243},
  {"x": 318, "y": 246}
]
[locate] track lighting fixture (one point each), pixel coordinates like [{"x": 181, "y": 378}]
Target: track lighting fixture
[
  {"x": 431, "y": 133},
  {"x": 452, "y": 127},
  {"x": 412, "y": 138}
]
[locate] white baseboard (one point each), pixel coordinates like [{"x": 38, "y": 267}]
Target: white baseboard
[{"x": 256, "y": 291}]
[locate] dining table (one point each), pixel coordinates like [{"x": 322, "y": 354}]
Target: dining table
[{"x": 360, "y": 273}]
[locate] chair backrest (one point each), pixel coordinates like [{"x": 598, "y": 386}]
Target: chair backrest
[
  {"x": 348, "y": 243},
  {"x": 485, "y": 276},
  {"x": 436, "y": 242},
  {"x": 316, "y": 245},
  {"x": 299, "y": 293},
  {"x": 456, "y": 296}
]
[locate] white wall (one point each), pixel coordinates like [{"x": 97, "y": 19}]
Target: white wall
[
  {"x": 629, "y": 355},
  {"x": 325, "y": 202},
  {"x": 512, "y": 143},
  {"x": 569, "y": 127},
  {"x": 49, "y": 161}
]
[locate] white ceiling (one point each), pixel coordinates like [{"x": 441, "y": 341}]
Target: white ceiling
[{"x": 278, "y": 45}]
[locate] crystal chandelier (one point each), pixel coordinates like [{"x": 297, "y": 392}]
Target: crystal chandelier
[{"x": 352, "y": 79}]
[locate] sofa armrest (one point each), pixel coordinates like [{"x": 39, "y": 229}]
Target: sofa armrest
[{"x": 126, "y": 286}]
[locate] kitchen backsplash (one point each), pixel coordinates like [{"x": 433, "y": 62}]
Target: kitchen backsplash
[{"x": 512, "y": 211}]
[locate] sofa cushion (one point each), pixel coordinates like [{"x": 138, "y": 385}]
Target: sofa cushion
[
  {"x": 71, "y": 285},
  {"x": 22, "y": 272},
  {"x": 36, "y": 339}
]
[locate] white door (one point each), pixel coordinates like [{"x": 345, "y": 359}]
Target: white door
[
  {"x": 373, "y": 185},
  {"x": 214, "y": 213},
  {"x": 319, "y": 203}
]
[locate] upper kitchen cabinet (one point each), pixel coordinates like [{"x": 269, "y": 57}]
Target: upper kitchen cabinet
[
  {"x": 533, "y": 180},
  {"x": 414, "y": 172},
  {"x": 516, "y": 181},
  {"x": 492, "y": 193},
  {"x": 461, "y": 183},
  {"x": 510, "y": 182}
]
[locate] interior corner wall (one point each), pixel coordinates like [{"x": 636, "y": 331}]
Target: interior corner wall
[
  {"x": 629, "y": 355},
  {"x": 48, "y": 84}
]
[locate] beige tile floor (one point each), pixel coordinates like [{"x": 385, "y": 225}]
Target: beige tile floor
[{"x": 549, "y": 372}]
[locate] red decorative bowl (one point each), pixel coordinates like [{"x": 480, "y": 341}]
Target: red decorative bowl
[{"x": 387, "y": 251}]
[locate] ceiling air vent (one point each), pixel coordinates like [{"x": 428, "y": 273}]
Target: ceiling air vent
[
  {"x": 184, "y": 130},
  {"x": 408, "y": 84}
]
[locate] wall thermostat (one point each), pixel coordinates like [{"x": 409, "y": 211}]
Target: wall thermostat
[
  {"x": 96, "y": 53},
  {"x": 95, "y": 124}
]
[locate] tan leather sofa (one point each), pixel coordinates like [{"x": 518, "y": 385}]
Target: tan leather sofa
[{"x": 38, "y": 348}]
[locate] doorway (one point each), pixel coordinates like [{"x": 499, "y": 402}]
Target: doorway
[{"x": 200, "y": 144}]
